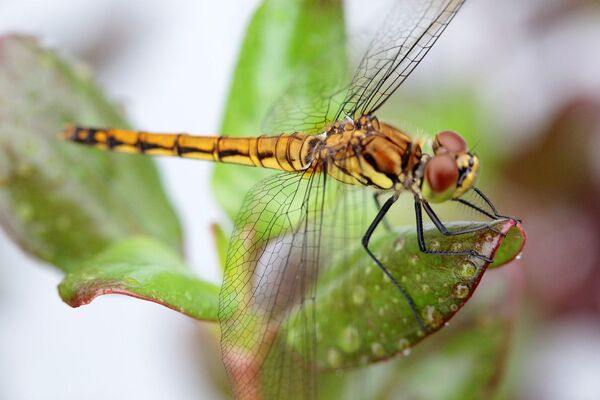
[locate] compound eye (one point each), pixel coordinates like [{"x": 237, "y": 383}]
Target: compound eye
[
  {"x": 449, "y": 142},
  {"x": 441, "y": 173}
]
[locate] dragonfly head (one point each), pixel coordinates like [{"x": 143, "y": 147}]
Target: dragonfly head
[{"x": 451, "y": 171}]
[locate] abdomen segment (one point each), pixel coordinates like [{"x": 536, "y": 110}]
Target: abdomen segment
[{"x": 285, "y": 152}]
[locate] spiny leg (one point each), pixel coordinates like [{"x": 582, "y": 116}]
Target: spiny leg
[
  {"x": 491, "y": 205},
  {"x": 365, "y": 242},
  {"x": 423, "y": 245},
  {"x": 442, "y": 228},
  {"x": 385, "y": 222},
  {"x": 482, "y": 211},
  {"x": 476, "y": 208},
  {"x": 494, "y": 215}
]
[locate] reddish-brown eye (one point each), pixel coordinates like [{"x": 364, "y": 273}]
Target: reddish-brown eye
[
  {"x": 450, "y": 142},
  {"x": 441, "y": 173}
]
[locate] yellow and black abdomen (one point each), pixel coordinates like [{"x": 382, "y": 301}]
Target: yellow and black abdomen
[{"x": 286, "y": 152}]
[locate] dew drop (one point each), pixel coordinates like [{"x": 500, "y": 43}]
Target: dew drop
[
  {"x": 456, "y": 247},
  {"x": 377, "y": 349},
  {"x": 406, "y": 352},
  {"x": 399, "y": 244},
  {"x": 468, "y": 270},
  {"x": 519, "y": 256},
  {"x": 453, "y": 307},
  {"x": 425, "y": 288},
  {"x": 461, "y": 291},
  {"x": 350, "y": 341},
  {"x": 359, "y": 294},
  {"x": 432, "y": 316},
  {"x": 403, "y": 344},
  {"x": 334, "y": 358}
]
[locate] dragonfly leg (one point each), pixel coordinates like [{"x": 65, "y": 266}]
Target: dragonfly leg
[
  {"x": 365, "y": 242},
  {"x": 476, "y": 208},
  {"x": 482, "y": 211},
  {"x": 423, "y": 245},
  {"x": 442, "y": 228},
  {"x": 385, "y": 222},
  {"x": 491, "y": 205}
]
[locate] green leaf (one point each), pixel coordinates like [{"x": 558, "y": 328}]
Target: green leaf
[
  {"x": 60, "y": 202},
  {"x": 283, "y": 36},
  {"x": 464, "y": 361},
  {"x": 439, "y": 286},
  {"x": 511, "y": 247},
  {"x": 146, "y": 269}
]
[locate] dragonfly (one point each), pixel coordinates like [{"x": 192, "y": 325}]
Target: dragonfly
[{"x": 300, "y": 227}]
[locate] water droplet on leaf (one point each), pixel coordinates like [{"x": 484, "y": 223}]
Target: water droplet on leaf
[
  {"x": 399, "y": 244},
  {"x": 461, "y": 291},
  {"x": 350, "y": 341},
  {"x": 468, "y": 270},
  {"x": 377, "y": 349},
  {"x": 456, "y": 247},
  {"x": 403, "y": 344},
  {"x": 432, "y": 316},
  {"x": 358, "y": 295}
]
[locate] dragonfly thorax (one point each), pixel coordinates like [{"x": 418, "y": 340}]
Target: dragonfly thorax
[{"x": 370, "y": 153}]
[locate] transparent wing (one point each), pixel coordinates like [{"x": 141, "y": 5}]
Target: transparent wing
[
  {"x": 290, "y": 233},
  {"x": 403, "y": 36},
  {"x": 312, "y": 98}
]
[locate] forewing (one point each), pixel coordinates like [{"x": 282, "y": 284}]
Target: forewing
[
  {"x": 406, "y": 35},
  {"x": 319, "y": 94},
  {"x": 313, "y": 96}
]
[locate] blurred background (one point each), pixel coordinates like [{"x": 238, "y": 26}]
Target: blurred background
[{"x": 526, "y": 73}]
